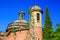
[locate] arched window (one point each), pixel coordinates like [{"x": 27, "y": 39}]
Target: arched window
[{"x": 38, "y": 16}]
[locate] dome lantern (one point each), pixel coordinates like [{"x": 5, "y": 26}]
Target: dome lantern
[{"x": 21, "y": 15}]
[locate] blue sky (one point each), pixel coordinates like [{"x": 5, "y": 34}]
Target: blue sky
[{"x": 9, "y": 10}]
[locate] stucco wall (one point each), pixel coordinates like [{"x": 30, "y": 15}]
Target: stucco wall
[
  {"x": 20, "y": 35},
  {"x": 24, "y": 34}
]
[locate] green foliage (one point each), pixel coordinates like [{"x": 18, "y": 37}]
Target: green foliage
[
  {"x": 1, "y": 39},
  {"x": 14, "y": 29},
  {"x": 54, "y": 36},
  {"x": 30, "y": 11},
  {"x": 58, "y": 27},
  {"x": 32, "y": 23},
  {"x": 48, "y": 32},
  {"x": 48, "y": 22},
  {"x": 27, "y": 25},
  {"x": 57, "y": 32}
]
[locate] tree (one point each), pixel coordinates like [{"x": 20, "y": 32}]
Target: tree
[
  {"x": 57, "y": 32},
  {"x": 48, "y": 31},
  {"x": 58, "y": 27}
]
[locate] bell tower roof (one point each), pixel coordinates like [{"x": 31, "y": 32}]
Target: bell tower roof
[{"x": 35, "y": 7}]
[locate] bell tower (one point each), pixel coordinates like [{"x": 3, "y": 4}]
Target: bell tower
[{"x": 36, "y": 22}]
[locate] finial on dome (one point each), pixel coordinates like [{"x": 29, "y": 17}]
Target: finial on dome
[{"x": 21, "y": 14}]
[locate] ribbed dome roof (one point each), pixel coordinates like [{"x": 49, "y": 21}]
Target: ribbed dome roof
[
  {"x": 36, "y": 8},
  {"x": 21, "y": 21},
  {"x": 17, "y": 23}
]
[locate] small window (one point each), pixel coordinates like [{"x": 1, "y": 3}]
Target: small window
[{"x": 38, "y": 16}]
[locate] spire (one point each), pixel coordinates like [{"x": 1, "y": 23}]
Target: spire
[{"x": 21, "y": 15}]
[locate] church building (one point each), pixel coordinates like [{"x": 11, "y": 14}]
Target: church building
[{"x": 23, "y": 30}]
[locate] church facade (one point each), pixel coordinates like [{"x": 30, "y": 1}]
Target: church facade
[{"x": 23, "y": 30}]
